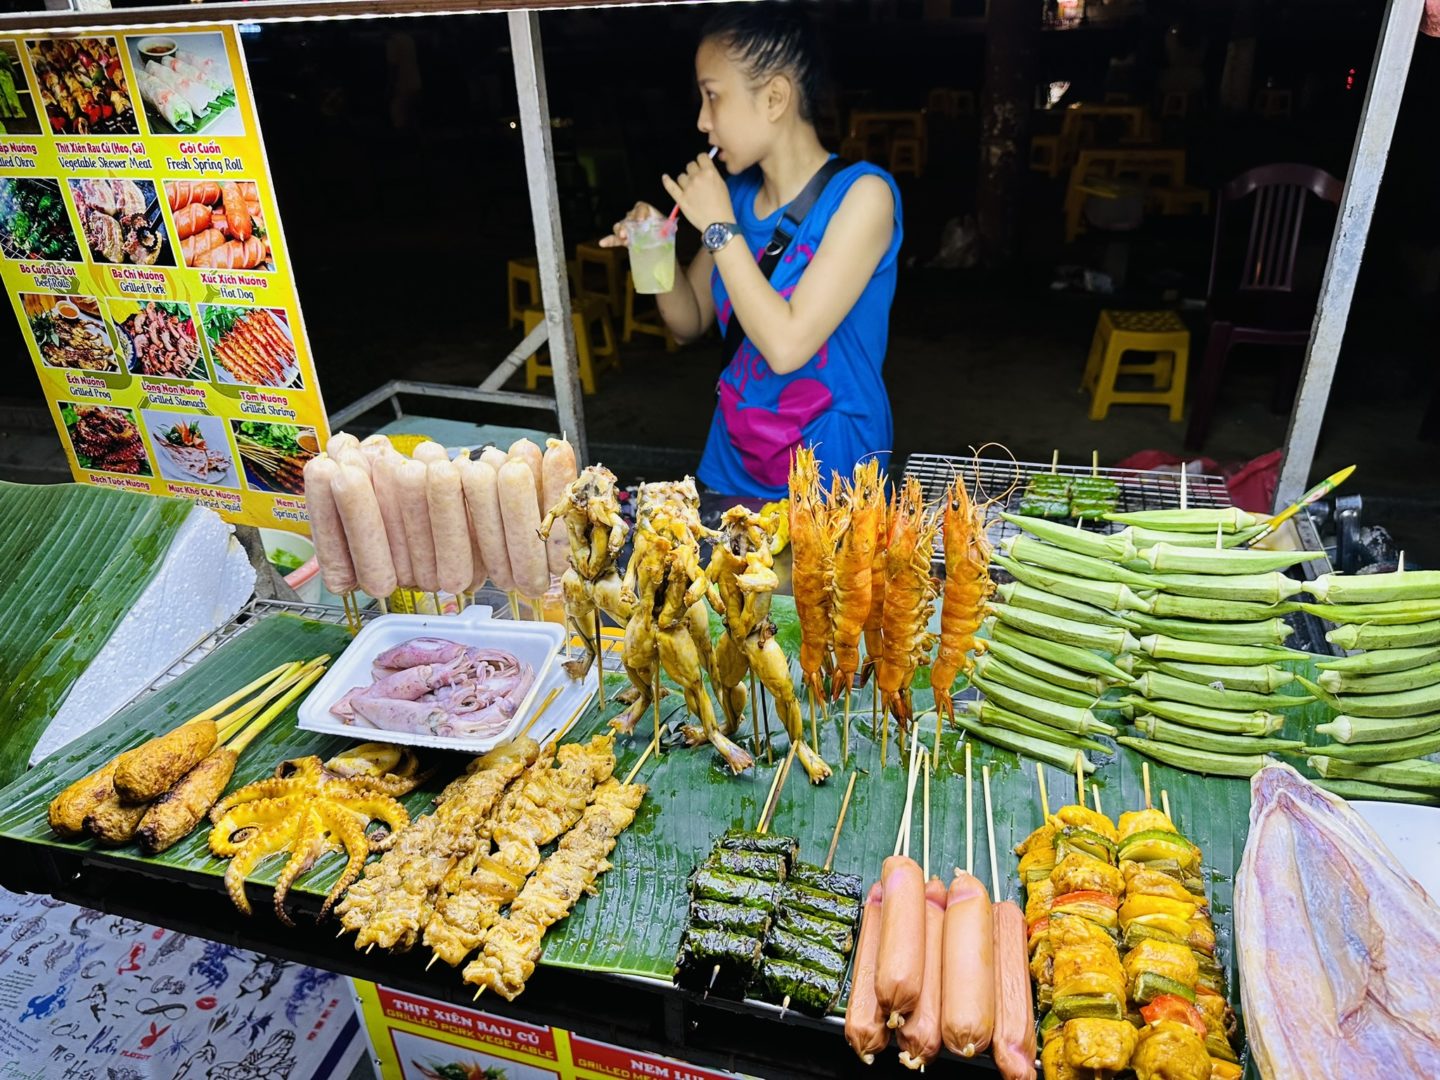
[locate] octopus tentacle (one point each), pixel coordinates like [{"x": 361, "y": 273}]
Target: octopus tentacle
[
  {"x": 273, "y": 788},
  {"x": 234, "y": 828},
  {"x": 349, "y": 829},
  {"x": 264, "y": 843},
  {"x": 311, "y": 841}
]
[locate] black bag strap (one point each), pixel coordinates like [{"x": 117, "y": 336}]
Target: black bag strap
[{"x": 785, "y": 231}]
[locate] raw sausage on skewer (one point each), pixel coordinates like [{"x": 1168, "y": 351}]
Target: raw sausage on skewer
[
  {"x": 865, "y": 1028},
  {"x": 387, "y": 493},
  {"x": 478, "y": 574},
  {"x": 428, "y": 451},
  {"x": 339, "y": 441},
  {"x": 1013, "y": 1045},
  {"x": 494, "y": 457},
  {"x": 326, "y": 529},
  {"x": 968, "y": 997},
  {"x": 558, "y": 468},
  {"x": 920, "y": 1037},
  {"x": 364, "y": 530},
  {"x": 354, "y": 457},
  {"x": 449, "y": 526},
  {"x": 519, "y": 509},
  {"x": 482, "y": 503},
  {"x": 900, "y": 975},
  {"x": 526, "y": 451},
  {"x": 411, "y": 478}
]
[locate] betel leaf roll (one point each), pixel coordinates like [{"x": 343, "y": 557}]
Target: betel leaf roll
[
  {"x": 716, "y": 962},
  {"x": 831, "y": 934},
  {"x": 737, "y": 918},
  {"x": 708, "y": 884},
  {"x": 827, "y": 905},
  {"x": 766, "y": 843},
  {"x": 831, "y": 881},
  {"x": 809, "y": 991},
  {"x": 756, "y": 864},
  {"x": 786, "y": 945}
]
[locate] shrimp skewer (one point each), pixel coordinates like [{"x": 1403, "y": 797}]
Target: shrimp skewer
[
  {"x": 854, "y": 561},
  {"x": 909, "y": 592},
  {"x": 967, "y": 586},
  {"x": 812, "y": 545}
]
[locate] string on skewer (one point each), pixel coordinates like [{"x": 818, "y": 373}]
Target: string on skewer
[
  {"x": 844, "y": 808},
  {"x": 1044, "y": 798},
  {"x": 1145, "y": 779},
  {"x": 969, "y": 816},
  {"x": 990, "y": 834}
]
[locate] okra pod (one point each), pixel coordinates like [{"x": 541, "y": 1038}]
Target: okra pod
[
  {"x": 1269, "y": 588},
  {"x": 1363, "y": 729},
  {"x": 1241, "y": 766},
  {"x": 1115, "y": 547},
  {"x": 1114, "y": 639},
  {"x": 1402, "y": 703},
  {"x": 1024, "y": 596},
  {"x": 1395, "y": 613},
  {"x": 1028, "y": 549},
  {"x": 1166, "y": 558},
  {"x": 1208, "y": 609},
  {"x": 1375, "y": 753},
  {"x": 1207, "y": 718},
  {"x": 1400, "y": 585},
  {"x": 1054, "y": 674},
  {"x": 1264, "y": 632},
  {"x": 1203, "y": 520},
  {"x": 1040, "y": 749},
  {"x": 1412, "y": 772},
  {"x": 993, "y": 668},
  {"x": 1156, "y": 684},
  {"x": 1358, "y": 789},
  {"x": 1069, "y": 718},
  {"x": 992, "y": 715},
  {"x": 1379, "y": 661},
  {"x": 1162, "y": 647},
  {"x": 1070, "y": 656},
  {"x": 1110, "y": 595},
  {"x": 1386, "y": 637},
  {"x": 1197, "y": 739},
  {"x": 1259, "y": 679},
  {"x": 1340, "y": 682},
  {"x": 1142, "y": 537}
]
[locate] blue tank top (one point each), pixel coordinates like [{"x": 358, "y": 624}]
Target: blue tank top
[{"x": 837, "y": 402}]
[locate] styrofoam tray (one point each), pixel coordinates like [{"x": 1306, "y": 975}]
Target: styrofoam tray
[
  {"x": 533, "y": 643},
  {"x": 1408, "y": 831}
]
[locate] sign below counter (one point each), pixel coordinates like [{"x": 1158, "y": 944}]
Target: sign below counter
[
  {"x": 142, "y": 250},
  {"x": 418, "y": 1038}
]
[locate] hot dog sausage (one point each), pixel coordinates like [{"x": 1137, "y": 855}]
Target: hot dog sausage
[
  {"x": 920, "y": 1037},
  {"x": 520, "y": 511},
  {"x": 526, "y": 451},
  {"x": 478, "y": 573},
  {"x": 428, "y": 451},
  {"x": 387, "y": 493},
  {"x": 415, "y": 508},
  {"x": 900, "y": 976},
  {"x": 339, "y": 441},
  {"x": 1013, "y": 1044},
  {"x": 327, "y": 531},
  {"x": 237, "y": 215},
  {"x": 967, "y": 1000},
  {"x": 450, "y": 526},
  {"x": 364, "y": 530},
  {"x": 558, "y": 467},
  {"x": 865, "y": 1028},
  {"x": 482, "y": 502}
]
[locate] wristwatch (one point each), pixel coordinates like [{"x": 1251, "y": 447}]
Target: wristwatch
[{"x": 718, "y": 234}]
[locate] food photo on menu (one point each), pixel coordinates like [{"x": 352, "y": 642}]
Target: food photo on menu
[
  {"x": 34, "y": 223},
  {"x": 220, "y": 224},
  {"x": 69, "y": 332},
  {"x": 274, "y": 455},
  {"x": 191, "y": 449},
  {"x": 159, "y": 338},
  {"x": 82, "y": 83},
  {"x": 251, "y": 346},
  {"x": 186, "y": 84},
  {"x": 105, "y": 438},
  {"x": 17, "y": 109},
  {"x": 122, "y": 221}
]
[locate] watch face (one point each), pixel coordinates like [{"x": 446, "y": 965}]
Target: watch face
[{"x": 716, "y": 235}]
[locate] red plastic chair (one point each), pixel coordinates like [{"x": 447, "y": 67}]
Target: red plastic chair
[{"x": 1263, "y": 308}]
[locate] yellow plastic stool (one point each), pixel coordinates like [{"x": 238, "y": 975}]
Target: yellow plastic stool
[
  {"x": 648, "y": 322},
  {"x": 521, "y": 272},
  {"x": 611, "y": 262},
  {"x": 1120, "y": 332},
  {"x": 587, "y": 313}
]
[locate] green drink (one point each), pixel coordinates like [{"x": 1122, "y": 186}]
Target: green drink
[{"x": 652, "y": 254}]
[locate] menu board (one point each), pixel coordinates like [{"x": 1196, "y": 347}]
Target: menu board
[{"x": 141, "y": 247}]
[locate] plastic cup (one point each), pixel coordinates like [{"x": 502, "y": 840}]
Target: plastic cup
[{"x": 652, "y": 254}]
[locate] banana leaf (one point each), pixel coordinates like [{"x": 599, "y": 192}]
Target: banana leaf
[{"x": 73, "y": 559}]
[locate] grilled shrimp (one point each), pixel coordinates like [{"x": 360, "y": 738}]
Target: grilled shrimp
[
  {"x": 909, "y": 590},
  {"x": 812, "y": 546},
  {"x": 967, "y": 587},
  {"x": 853, "y": 570}
]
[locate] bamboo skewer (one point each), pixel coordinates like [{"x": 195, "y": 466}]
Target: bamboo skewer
[
  {"x": 925, "y": 820},
  {"x": 655, "y": 699},
  {"x": 600, "y": 664},
  {"x": 1044, "y": 798},
  {"x": 1095, "y": 795},
  {"x": 554, "y": 693},
  {"x": 844, "y": 808},
  {"x": 769, "y": 795},
  {"x": 1184, "y": 489},
  {"x": 781, "y": 775},
  {"x": 990, "y": 834},
  {"x": 845, "y": 732},
  {"x": 1079, "y": 778},
  {"x": 902, "y": 839},
  {"x": 755, "y": 715},
  {"x": 636, "y": 768},
  {"x": 1145, "y": 779},
  {"x": 1165, "y": 802},
  {"x": 969, "y": 816},
  {"x": 883, "y": 718},
  {"x": 765, "y": 719}
]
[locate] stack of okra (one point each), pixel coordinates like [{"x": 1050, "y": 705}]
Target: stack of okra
[
  {"x": 764, "y": 923},
  {"x": 1388, "y": 696},
  {"x": 1191, "y": 632}
]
